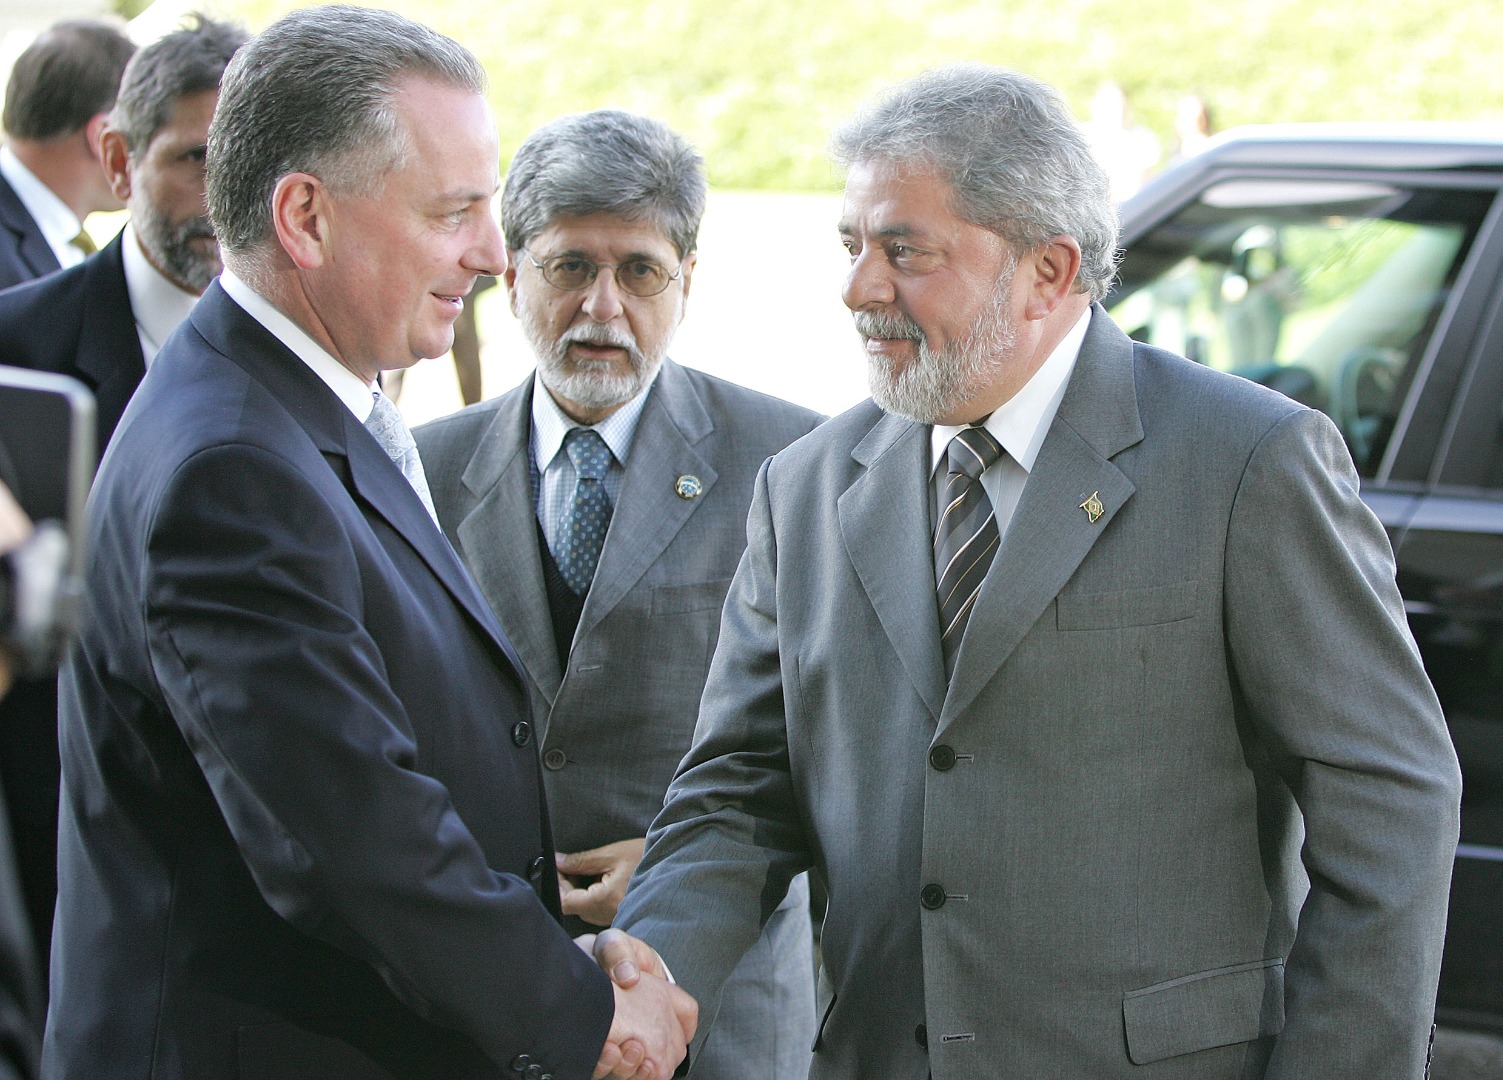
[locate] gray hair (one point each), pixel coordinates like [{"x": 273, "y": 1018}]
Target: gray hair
[
  {"x": 605, "y": 162},
  {"x": 313, "y": 93},
  {"x": 185, "y": 62},
  {"x": 1010, "y": 149}
]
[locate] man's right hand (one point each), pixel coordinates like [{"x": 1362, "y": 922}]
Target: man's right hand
[
  {"x": 623, "y": 957},
  {"x": 650, "y": 1034}
]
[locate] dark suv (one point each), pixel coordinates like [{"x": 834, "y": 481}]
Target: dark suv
[{"x": 1359, "y": 269}]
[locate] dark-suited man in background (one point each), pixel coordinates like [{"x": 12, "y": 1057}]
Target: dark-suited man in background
[
  {"x": 601, "y": 213},
  {"x": 20, "y": 977},
  {"x": 102, "y": 322},
  {"x": 303, "y": 828},
  {"x": 60, "y": 90},
  {"x": 1118, "y": 762}
]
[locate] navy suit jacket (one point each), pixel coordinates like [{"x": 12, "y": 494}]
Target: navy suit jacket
[
  {"x": 79, "y": 322},
  {"x": 303, "y": 830},
  {"x": 24, "y": 251}
]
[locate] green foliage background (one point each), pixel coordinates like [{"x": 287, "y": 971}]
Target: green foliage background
[{"x": 757, "y": 85}]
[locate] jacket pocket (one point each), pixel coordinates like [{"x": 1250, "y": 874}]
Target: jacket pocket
[
  {"x": 824, "y": 1005},
  {"x": 1126, "y": 607},
  {"x": 676, "y": 599},
  {"x": 1202, "y": 1011}
]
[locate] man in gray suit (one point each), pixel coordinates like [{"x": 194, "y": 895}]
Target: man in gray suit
[
  {"x": 601, "y": 505},
  {"x": 1154, "y": 784}
]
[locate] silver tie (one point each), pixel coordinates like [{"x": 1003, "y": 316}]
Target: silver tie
[{"x": 385, "y": 423}]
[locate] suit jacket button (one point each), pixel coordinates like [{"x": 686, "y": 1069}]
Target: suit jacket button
[
  {"x": 921, "y": 1036},
  {"x": 521, "y": 732},
  {"x": 520, "y": 1063},
  {"x": 942, "y": 757},
  {"x": 933, "y": 896},
  {"x": 555, "y": 759},
  {"x": 540, "y": 864},
  {"x": 534, "y": 1072}
]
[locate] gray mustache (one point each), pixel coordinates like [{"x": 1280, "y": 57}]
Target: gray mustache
[
  {"x": 603, "y": 335},
  {"x": 875, "y": 324}
]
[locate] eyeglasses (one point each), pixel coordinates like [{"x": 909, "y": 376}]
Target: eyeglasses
[{"x": 639, "y": 277}]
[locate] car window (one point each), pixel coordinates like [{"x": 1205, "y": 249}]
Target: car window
[{"x": 1325, "y": 290}]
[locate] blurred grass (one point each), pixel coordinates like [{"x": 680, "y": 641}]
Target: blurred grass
[{"x": 757, "y": 85}]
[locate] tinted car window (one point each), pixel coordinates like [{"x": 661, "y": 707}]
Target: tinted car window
[{"x": 1326, "y": 290}]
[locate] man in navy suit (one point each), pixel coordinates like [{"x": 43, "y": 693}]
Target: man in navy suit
[
  {"x": 60, "y": 89},
  {"x": 101, "y": 322},
  {"x": 303, "y": 831}
]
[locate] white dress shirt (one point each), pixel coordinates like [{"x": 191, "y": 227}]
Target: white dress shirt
[
  {"x": 350, "y": 388},
  {"x": 59, "y": 225},
  {"x": 1020, "y": 425},
  {"x": 158, "y": 303}
]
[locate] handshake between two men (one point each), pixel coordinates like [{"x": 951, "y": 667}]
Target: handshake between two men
[{"x": 655, "y": 1020}]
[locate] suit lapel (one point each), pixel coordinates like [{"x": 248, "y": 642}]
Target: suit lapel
[
  {"x": 649, "y": 512},
  {"x": 1050, "y": 533},
  {"x": 885, "y": 524},
  {"x": 500, "y": 539},
  {"x": 35, "y": 252},
  {"x": 109, "y": 346},
  {"x": 334, "y": 430},
  {"x": 382, "y": 484}
]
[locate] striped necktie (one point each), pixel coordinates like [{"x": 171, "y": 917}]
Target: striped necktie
[{"x": 966, "y": 537}]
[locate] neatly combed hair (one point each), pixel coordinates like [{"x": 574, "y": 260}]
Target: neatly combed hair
[
  {"x": 1010, "y": 149},
  {"x": 65, "y": 78},
  {"x": 186, "y": 61},
  {"x": 313, "y": 93},
  {"x": 605, "y": 162}
]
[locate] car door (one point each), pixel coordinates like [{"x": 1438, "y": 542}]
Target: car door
[{"x": 1451, "y": 572}]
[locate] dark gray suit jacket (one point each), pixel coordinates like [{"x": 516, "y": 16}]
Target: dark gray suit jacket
[
  {"x": 1185, "y": 811},
  {"x": 615, "y": 724}
]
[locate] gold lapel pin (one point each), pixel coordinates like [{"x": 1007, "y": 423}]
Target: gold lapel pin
[
  {"x": 1093, "y": 508},
  {"x": 688, "y": 487}
]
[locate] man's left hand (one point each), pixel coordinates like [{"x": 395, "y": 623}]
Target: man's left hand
[{"x": 611, "y": 868}]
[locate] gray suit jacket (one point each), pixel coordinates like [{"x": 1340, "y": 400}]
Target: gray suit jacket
[
  {"x": 1082, "y": 857},
  {"x": 616, "y": 724}
]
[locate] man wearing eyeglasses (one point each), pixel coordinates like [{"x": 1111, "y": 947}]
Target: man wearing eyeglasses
[{"x": 602, "y": 507}]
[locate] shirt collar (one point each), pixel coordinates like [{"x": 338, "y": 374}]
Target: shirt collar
[
  {"x": 1022, "y": 422},
  {"x": 59, "y": 225},
  {"x": 354, "y": 391},
  {"x": 550, "y": 424},
  {"x": 158, "y": 303}
]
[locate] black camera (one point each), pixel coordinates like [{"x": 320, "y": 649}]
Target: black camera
[{"x": 47, "y": 462}]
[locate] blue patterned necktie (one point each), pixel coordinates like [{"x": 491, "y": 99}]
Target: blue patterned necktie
[
  {"x": 386, "y": 425},
  {"x": 582, "y": 532},
  {"x": 966, "y": 537}
]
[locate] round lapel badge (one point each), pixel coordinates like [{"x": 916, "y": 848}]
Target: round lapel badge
[{"x": 688, "y": 487}]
